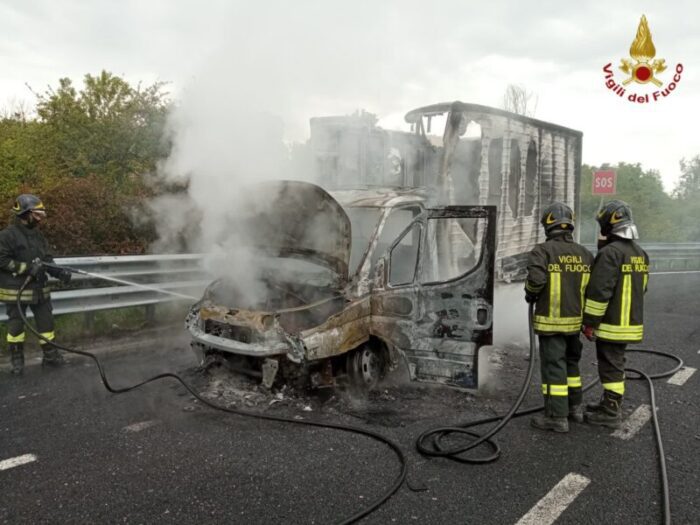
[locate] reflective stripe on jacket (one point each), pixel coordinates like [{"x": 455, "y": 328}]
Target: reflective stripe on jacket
[
  {"x": 615, "y": 295},
  {"x": 558, "y": 271}
]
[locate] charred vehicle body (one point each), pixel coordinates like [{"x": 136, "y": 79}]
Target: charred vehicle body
[
  {"x": 481, "y": 155},
  {"x": 352, "y": 288},
  {"x": 389, "y": 264}
]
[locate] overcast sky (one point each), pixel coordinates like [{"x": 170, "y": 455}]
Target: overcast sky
[{"x": 308, "y": 58}]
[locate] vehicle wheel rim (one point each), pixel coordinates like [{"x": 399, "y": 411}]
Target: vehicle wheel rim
[{"x": 370, "y": 367}]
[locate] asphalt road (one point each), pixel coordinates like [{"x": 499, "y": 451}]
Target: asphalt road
[{"x": 155, "y": 456}]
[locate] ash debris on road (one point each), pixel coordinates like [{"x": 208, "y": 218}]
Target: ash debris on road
[{"x": 398, "y": 402}]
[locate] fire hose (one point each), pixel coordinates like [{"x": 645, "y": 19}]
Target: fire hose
[
  {"x": 430, "y": 443},
  {"x": 395, "y": 448}
]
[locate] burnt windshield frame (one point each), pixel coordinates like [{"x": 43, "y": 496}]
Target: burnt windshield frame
[
  {"x": 472, "y": 212},
  {"x": 418, "y": 211},
  {"x": 351, "y": 212},
  {"x": 418, "y": 221}
]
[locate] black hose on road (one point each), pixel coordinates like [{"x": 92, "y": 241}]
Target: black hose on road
[
  {"x": 431, "y": 442},
  {"x": 396, "y": 484},
  {"x": 666, "y": 496}
]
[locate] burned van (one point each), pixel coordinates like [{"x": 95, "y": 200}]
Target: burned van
[
  {"x": 470, "y": 154},
  {"x": 350, "y": 283}
]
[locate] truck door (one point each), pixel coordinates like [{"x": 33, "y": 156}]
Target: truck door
[{"x": 435, "y": 301}]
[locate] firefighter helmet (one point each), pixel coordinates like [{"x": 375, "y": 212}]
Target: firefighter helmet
[
  {"x": 557, "y": 216},
  {"x": 616, "y": 218},
  {"x": 26, "y": 203}
]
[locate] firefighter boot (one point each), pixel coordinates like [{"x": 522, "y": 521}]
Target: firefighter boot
[
  {"x": 576, "y": 413},
  {"x": 17, "y": 358},
  {"x": 608, "y": 413},
  {"x": 52, "y": 356},
  {"x": 594, "y": 407},
  {"x": 557, "y": 424}
]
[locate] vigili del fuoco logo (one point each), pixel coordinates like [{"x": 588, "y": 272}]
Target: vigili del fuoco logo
[{"x": 643, "y": 68}]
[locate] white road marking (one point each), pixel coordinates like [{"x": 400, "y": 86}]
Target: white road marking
[
  {"x": 550, "y": 507},
  {"x": 681, "y": 376},
  {"x": 16, "y": 462},
  {"x": 634, "y": 423},
  {"x": 142, "y": 425}
]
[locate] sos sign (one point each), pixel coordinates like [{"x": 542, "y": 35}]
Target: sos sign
[{"x": 604, "y": 182}]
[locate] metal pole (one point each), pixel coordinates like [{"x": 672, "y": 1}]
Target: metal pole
[{"x": 595, "y": 226}]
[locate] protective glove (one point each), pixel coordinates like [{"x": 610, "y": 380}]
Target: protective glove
[
  {"x": 588, "y": 332},
  {"x": 531, "y": 297},
  {"x": 65, "y": 276},
  {"x": 36, "y": 269}
]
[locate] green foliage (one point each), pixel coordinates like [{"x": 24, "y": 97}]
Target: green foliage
[
  {"x": 655, "y": 212},
  {"x": 18, "y": 154},
  {"x": 687, "y": 196},
  {"x": 689, "y": 183},
  {"x": 93, "y": 215},
  {"x": 108, "y": 128},
  {"x": 87, "y": 154}
]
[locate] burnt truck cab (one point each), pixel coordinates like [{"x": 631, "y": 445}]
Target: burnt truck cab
[{"x": 352, "y": 282}]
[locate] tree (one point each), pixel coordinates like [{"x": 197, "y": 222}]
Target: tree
[
  {"x": 87, "y": 154},
  {"x": 652, "y": 208},
  {"x": 18, "y": 153},
  {"x": 517, "y": 99},
  {"x": 687, "y": 200},
  {"x": 108, "y": 128},
  {"x": 689, "y": 184}
]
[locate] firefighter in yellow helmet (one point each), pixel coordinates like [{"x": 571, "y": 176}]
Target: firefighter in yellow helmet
[
  {"x": 557, "y": 273},
  {"x": 614, "y": 307},
  {"x": 23, "y": 249}
]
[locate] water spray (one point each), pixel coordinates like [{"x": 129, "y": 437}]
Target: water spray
[{"x": 121, "y": 281}]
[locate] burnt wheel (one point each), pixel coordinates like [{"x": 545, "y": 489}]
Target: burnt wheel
[{"x": 365, "y": 366}]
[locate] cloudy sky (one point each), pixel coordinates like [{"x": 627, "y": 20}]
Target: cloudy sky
[{"x": 308, "y": 58}]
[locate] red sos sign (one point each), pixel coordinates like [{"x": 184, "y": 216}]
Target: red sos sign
[{"x": 604, "y": 182}]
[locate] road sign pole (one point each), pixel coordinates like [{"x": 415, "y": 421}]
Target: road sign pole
[
  {"x": 595, "y": 222},
  {"x": 602, "y": 183}
]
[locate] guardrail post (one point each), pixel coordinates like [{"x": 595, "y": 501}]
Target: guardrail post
[
  {"x": 90, "y": 321},
  {"x": 150, "y": 314}
]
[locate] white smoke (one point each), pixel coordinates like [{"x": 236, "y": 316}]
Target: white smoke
[
  {"x": 256, "y": 87},
  {"x": 511, "y": 337},
  {"x": 510, "y": 325},
  {"x": 219, "y": 152},
  {"x": 246, "y": 104}
]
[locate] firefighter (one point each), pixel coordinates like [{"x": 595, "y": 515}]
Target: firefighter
[
  {"x": 22, "y": 250},
  {"x": 557, "y": 274},
  {"x": 614, "y": 306}
]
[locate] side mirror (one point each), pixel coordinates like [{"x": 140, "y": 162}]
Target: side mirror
[{"x": 379, "y": 277}]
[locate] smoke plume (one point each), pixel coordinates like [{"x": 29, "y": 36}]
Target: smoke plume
[{"x": 248, "y": 103}]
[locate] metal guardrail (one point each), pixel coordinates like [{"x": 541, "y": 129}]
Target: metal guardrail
[
  {"x": 185, "y": 274},
  {"x": 664, "y": 257}
]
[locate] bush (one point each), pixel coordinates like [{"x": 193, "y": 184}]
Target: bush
[{"x": 86, "y": 155}]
